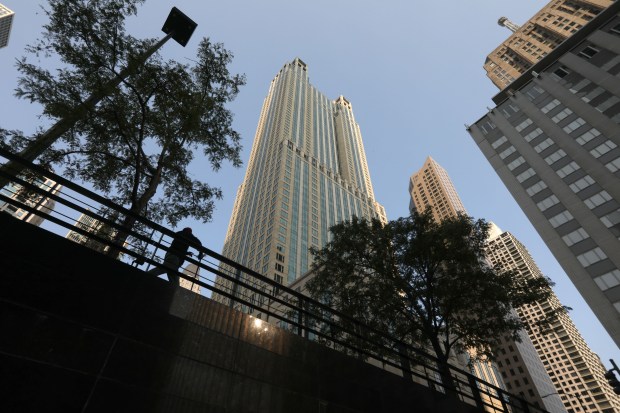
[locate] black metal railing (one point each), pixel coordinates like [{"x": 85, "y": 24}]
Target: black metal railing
[{"x": 94, "y": 220}]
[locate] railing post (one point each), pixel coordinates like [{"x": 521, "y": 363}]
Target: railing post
[
  {"x": 300, "y": 318},
  {"x": 475, "y": 392}
]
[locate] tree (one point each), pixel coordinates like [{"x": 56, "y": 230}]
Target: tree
[
  {"x": 424, "y": 283},
  {"x": 141, "y": 138}
]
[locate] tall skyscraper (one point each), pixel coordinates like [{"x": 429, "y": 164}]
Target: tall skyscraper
[
  {"x": 523, "y": 373},
  {"x": 577, "y": 373},
  {"x": 44, "y": 205},
  {"x": 307, "y": 171},
  {"x": 6, "y": 21},
  {"x": 537, "y": 37},
  {"x": 553, "y": 139},
  {"x": 431, "y": 186}
]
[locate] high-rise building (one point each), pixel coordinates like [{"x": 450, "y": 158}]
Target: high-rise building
[
  {"x": 307, "y": 171},
  {"x": 92, "y": 226},
  {"x": 537, "y": 37},
  {"x": 193, "y": 271},
  {"x": 431, "y": 186},
  {"x": 6, "y": 21},
  {"x": 523, "y": 373},
  {"x": 554, "y": 139},
  {"x": 577, "y": 373},
  {"x": 43, "y": 205}
]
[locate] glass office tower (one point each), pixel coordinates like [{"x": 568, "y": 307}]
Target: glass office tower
[{"x": 307, "y": 171}]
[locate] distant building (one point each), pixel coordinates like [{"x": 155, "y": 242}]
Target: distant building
[
  {"x": 529, "y": 43},
  {"x": 554, "y": 140},
  {"x": 431, "y": 186},
  {"x": 524, "y": 373},
  {"x": 93, "y": 227},
  {"x": 191, "y": 270},
  {"x": 42, "y": 204},
  {"x": 576, "y": 372},
  {"x": 6, "y": 21}
]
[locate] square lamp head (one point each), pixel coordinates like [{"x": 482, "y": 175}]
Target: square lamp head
[{"x": 181, "y": 26}]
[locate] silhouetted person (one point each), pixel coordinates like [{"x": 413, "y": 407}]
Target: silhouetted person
[{"x": 176, "y": 255}]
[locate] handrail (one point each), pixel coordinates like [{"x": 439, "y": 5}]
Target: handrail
[{"x": 293, "y": 309}]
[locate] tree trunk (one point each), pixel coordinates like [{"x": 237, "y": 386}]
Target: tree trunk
[{"x": 443, "y": 368}]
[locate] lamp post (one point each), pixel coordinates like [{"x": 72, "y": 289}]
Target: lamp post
[{"x": 177, "y": 26}]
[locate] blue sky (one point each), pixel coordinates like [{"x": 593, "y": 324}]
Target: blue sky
[{"x": 412, "y": 71}]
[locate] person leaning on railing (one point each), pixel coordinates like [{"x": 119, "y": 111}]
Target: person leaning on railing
[{"x": 176, "y": 255}]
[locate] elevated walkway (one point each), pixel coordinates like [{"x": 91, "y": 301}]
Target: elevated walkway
[{"x": 83, "y": 333}]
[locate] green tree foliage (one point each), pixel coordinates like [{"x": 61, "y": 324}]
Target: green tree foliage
[
  {"x": 422, "y": 282},
  {"x": 141, "y": 139}
]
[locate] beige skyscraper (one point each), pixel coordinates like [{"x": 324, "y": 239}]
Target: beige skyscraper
[
  {"x": 307, "y": 171},
  {"x": 576, "y": 372},
  {"x": 532, "y": 41},
  {"x": 523, "y": 373},
  {"x": 431, "y": 186}
]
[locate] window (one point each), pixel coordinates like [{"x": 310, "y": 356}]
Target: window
[
  {"x": 555, "y": 156},
  {"x": 614, "y": 165},
  {"x": 536, "y": 132},
  {"x": 567, "y": 169},
  {"x": 561, "y": 115},
  {"x": 591, "y": 257},
  {"x": 533, "y": 92},
  {"x": 561, "y": 218},
  {"x": 577, "y": 123},
  {"x": 609, "y": 280},
  {"x": 513, "y": 164},
  {"x": 548, "y": 202},
  {"x": 603, "y": 148},
  {"x": 587, "y": 136},
  {"x": 549, "y": 106},
  {"x": 582, "y": 183},
  {"x": 536, "y": 188},
  {"x": 561, "y": 72},
  {"x": 612, "y": 219},
  {"x": 575, "y": 236},
  {"x": 527, "y": 122},
  {"x": 498, "y": 142},
  {"x": 597, "y": 199},
  {"x": 543, "y": 145},
  {"x": 588, "y": 52},
  {"x": 528, "y": 173},
  {"x": 507, "y": 152}
]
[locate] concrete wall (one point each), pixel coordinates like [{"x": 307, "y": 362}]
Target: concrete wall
[{"x": 82, "y": 333}]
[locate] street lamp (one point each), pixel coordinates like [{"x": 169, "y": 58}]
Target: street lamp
[{"x": 178, "y": 26}]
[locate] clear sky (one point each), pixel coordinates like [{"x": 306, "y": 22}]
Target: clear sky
[{"x": 412, "y": 71}]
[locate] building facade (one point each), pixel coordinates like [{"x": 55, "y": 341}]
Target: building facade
[
  {"x": 553, "y": 139},
  {"x": 6, "y": 21},
  {"x": 577, "y": 372},
  {"x": 532, "y": 41},
  {"x": 524, "y": 373},
  {"x": 43, "y": 205},
  {"x": 432, "y": 187},
  {"x": 307, "y": 171}
]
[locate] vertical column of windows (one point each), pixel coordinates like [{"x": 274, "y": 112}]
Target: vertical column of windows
[{"x": 304, "y": 222}]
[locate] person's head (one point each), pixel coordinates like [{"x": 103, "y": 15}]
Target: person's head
[{"x": 187, "y": 230}]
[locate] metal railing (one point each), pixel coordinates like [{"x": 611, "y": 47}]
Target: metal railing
[{"x": 84, "y": 213}]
